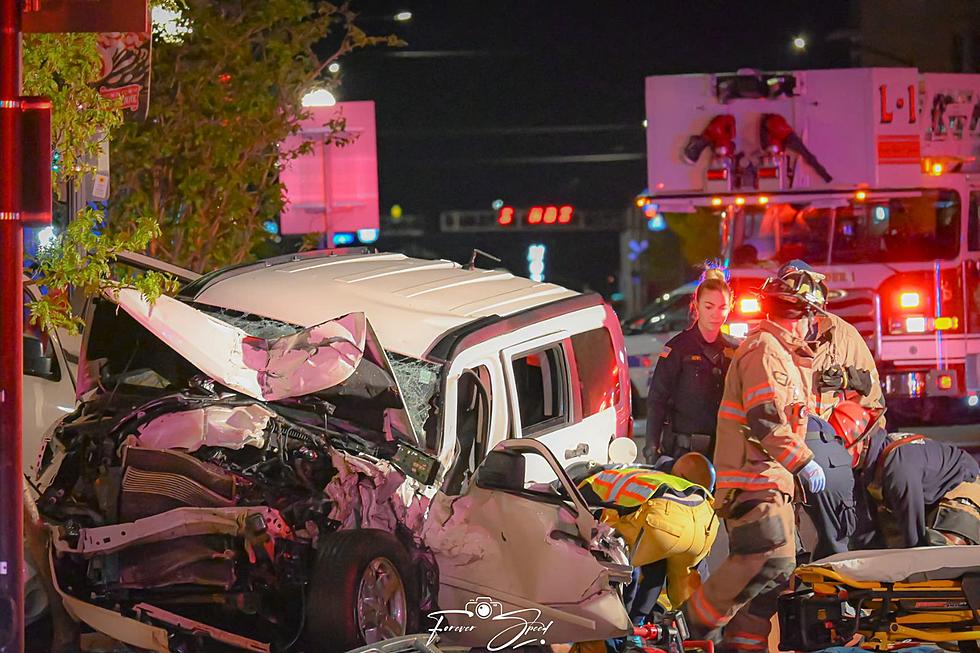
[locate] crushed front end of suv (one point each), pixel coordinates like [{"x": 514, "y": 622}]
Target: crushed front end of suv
[{"x": 233, "y": 481}]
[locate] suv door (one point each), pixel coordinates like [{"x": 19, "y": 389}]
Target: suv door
[
  {"x": 546, "y": 404},
  {"x": 523, "y": 563}
]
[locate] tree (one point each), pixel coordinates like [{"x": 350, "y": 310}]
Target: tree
[
  {"x": 225, "y": 95},
  {"x": 63, "y": 67}
]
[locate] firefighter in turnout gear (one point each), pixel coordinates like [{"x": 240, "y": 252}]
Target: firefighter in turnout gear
[
  {"x": 926, "y": 492},
  {"x": 666, "y": 519},
  {"x": 760, "y": 455},
  {"x": 687, "y": 383},
  {"x": 842, "y": 367}
]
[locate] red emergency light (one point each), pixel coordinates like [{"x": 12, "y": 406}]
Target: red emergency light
[{"x": 719, "y": 134}]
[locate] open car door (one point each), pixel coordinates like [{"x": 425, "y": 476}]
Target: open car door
[{"x": 523, "y": 563}]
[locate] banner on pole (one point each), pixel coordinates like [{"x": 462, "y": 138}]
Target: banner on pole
[{"x": 86, "y": 16}]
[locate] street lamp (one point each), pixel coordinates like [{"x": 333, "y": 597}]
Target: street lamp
[
  {"x": 334, "y": 67},
  {"x": 403, "y": 16},
  {"x": 799, "y": 43}
]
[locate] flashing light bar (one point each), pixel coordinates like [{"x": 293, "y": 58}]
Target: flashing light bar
[{"x": 921, "y": 324}]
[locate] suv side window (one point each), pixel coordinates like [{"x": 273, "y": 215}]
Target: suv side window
[
  {"x": 598, "y": 376},
  {"x": 541, "y": 378},
  {"x": 40, "y": 359}
]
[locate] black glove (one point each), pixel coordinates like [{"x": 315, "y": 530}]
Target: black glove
[
  {"x": 832, "y": 379},
  {"x": 859, "y": 380}
]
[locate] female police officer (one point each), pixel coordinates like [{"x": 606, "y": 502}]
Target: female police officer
[{"x": 687, "y": 384}]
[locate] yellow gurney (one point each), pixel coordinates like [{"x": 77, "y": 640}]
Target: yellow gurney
[{"x": 928, "y": 594}]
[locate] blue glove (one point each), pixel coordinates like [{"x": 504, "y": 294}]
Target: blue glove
[{"x": 813, "y": 477}]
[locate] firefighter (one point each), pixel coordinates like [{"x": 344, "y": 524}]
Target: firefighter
[
  {"x": 666, "y": 519},
  {"x": 687, "y": 383},
  {"x": 926, "y": 493},
  {"x": 842, "y": 366},
  {"x": 760, "y": 454}
]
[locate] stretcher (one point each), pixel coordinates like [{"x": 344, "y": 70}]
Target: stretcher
[{"x": 885, "y": 599}]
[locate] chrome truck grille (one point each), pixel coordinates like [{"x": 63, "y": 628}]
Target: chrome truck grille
[{"x": 859, "y": 307}]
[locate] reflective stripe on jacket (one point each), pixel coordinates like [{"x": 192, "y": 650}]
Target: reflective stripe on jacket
[
  {"x": 631, "y": 486},
  {"x": 762, "y": 418}
]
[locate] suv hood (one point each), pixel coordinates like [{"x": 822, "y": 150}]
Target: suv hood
[
  {"x": 265, "y": 368},
  {"x": 173, "y": 345}
]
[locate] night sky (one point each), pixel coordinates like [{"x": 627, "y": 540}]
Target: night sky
[{"x": 501, "y": 99}]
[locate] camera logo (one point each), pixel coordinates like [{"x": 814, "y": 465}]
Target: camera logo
[
  {"x": 514, "y": 629},
  {"x": 484, "y": 607}
]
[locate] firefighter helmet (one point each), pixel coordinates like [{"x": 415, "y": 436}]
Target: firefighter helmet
[
  {"x": 797, "y": 290},
  {"x": 695, "y": 468},
  {"x": 850, "y": 421}
]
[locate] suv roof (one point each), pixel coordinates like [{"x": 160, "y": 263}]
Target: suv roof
[{"x": 410, "y": 302}]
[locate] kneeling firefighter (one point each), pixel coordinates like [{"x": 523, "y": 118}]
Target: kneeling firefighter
[
  {"x": 926, "y": 493},
  {"x": 760, "y": 454},
  {"x": 666, "y": 519}
]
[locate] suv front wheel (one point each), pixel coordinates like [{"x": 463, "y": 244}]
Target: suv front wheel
[{"x": 363, "y": 590}]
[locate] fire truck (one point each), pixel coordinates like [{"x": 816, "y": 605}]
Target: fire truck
[{"x": 868, "y": 174}]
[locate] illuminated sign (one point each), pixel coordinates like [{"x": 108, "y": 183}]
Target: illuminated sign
[
  {"x": 535, "y": 262},
  {"x": 536, "y": 215}
]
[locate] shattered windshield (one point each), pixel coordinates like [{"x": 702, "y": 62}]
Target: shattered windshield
[
  {"x": 921, "y": 225},
  {"x": 419, "y": 384}
]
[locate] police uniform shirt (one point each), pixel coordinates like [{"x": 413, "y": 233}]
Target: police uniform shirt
[{"x": 687, "y": 384}]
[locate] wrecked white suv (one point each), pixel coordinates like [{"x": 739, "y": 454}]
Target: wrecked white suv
[{"x": 327, "y": 450}]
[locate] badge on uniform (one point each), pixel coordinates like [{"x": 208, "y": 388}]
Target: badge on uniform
[
  {"x": 666, "y": 352},
  {"x": 695, "y": 357}
]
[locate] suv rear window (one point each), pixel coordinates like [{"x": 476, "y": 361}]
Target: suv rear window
[{"x": 598, "y": 374}]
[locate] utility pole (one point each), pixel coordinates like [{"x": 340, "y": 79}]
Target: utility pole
[{"x": 11, "y": 334}]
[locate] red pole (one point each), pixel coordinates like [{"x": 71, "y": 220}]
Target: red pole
[{"x": 11, "y": 337}]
